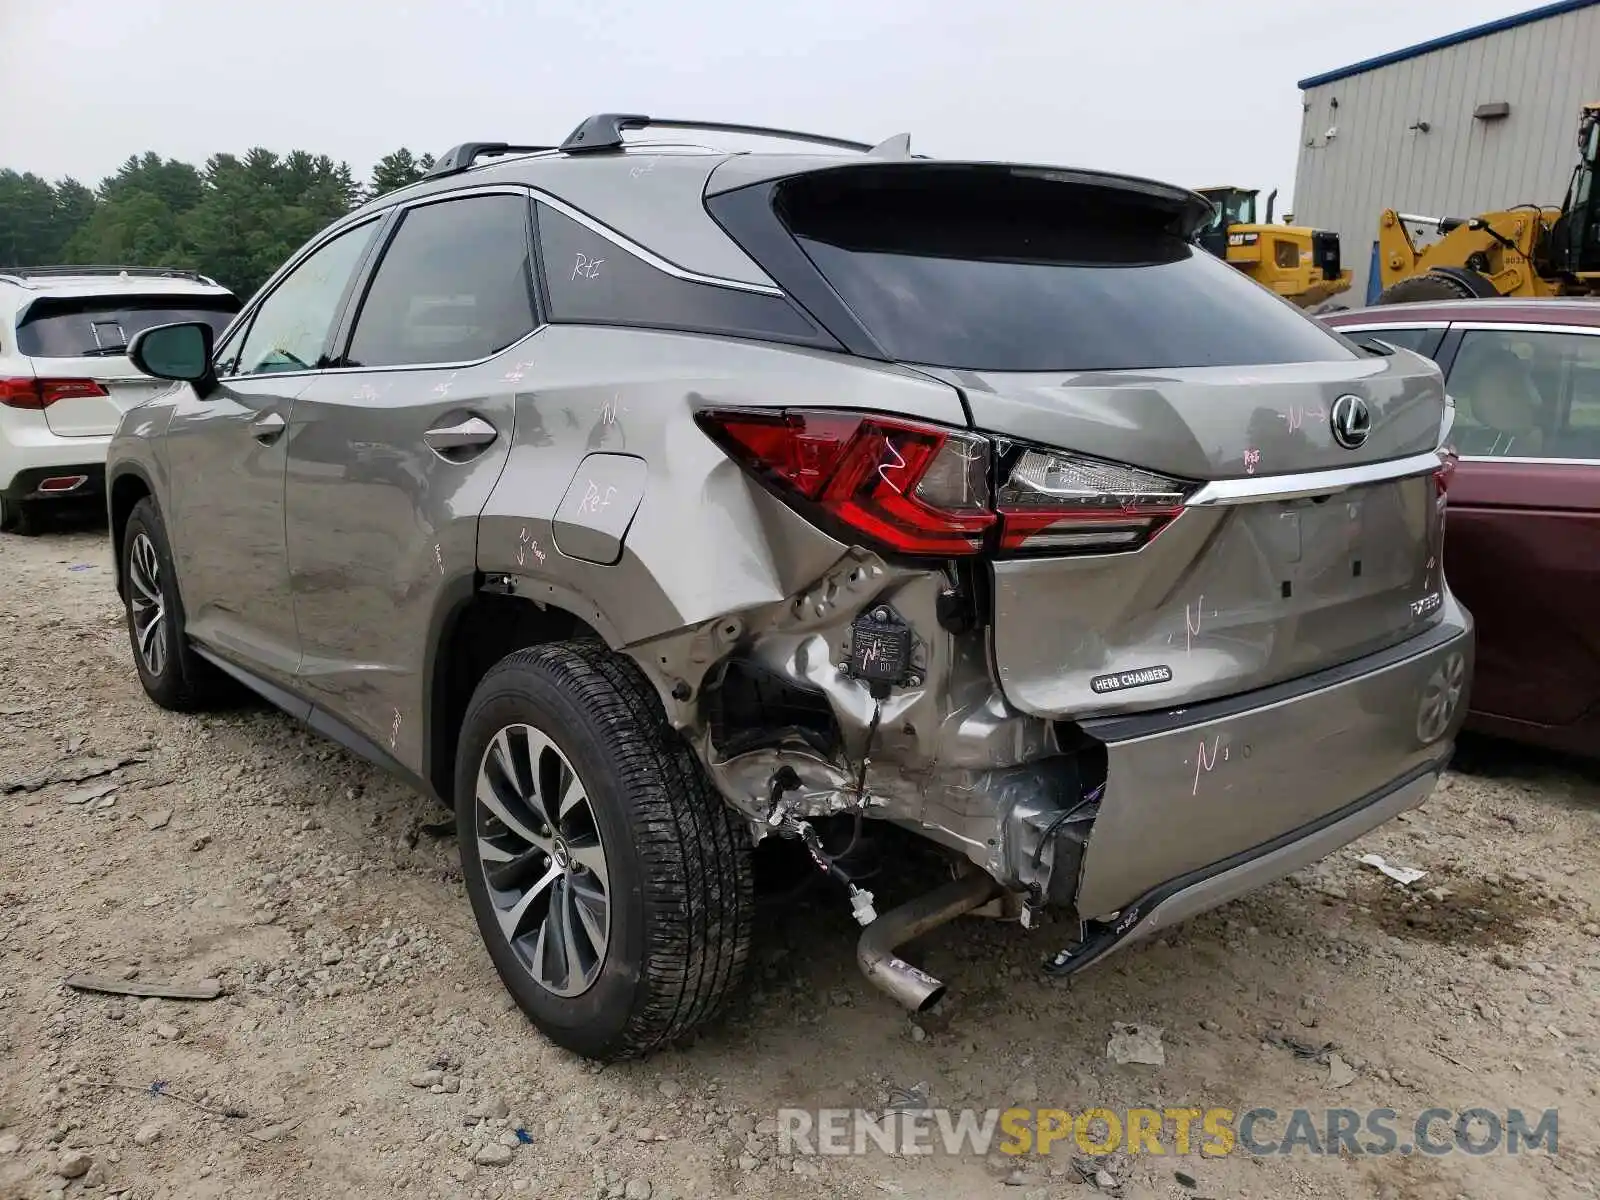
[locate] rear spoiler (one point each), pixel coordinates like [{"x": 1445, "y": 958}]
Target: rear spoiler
[{"x": 1189, "y": 210}]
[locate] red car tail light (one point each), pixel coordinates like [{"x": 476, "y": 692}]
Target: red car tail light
[
  {"x": 918, "y": 489},
  {"x": 906, "y": 486},
  {"x": 1066, "y": 503},
  {"x": 42, "y": 393}
]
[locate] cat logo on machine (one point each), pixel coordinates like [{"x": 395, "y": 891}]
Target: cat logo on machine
[{"x": 1123, "y": 680}]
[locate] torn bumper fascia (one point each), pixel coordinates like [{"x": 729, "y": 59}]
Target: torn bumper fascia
[
  {"x": 950, "y": 760},
  {"x": 1132, "y": 803}
]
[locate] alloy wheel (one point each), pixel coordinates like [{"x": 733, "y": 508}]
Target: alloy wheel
[
  {"x": 1440, "y": 698},
  {"x": 542, "y": 857},
  {"x": 146, "y": 605}
]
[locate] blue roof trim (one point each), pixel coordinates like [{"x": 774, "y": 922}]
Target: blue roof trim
[{"x": 1452, "y": 39}]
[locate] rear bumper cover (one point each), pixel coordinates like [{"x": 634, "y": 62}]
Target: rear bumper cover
[
  {"x": 24, "y": 485},
  {"x": 1196, "y": 786},
  {"x": 1215, "y": 885},
  {"x": 1203, "y": 803}
]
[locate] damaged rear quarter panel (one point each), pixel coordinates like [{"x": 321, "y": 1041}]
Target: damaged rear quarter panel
[{"x": 706, "y": 540}]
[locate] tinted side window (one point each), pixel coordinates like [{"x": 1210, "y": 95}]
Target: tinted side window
[
  {"x": 453, "y": 286},
  {"x": 592, "y": 279},
  {"x": 1423, "y": 341},
  {"x": 1527, "y": 395},
  {"x": 289, "y": 331}
]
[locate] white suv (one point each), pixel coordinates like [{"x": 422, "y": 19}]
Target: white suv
[{"x": 65, "y": 379}]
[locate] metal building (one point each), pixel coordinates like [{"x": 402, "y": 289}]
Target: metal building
[{"x": 1480, "y": 120}]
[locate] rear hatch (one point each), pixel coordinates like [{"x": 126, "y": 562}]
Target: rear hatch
[
  {"x": 78, "y": 348},
  {"x": 1210, "y": 492}
]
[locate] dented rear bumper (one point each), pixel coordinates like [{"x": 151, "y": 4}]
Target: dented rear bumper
[
  {"x": 1208, "y": 887},
  {"x": 1190, "y": 790},
  {"x": 1101, "y": 816}
]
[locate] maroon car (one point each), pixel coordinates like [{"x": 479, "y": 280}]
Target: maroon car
[{"x": 1522, "y": 546}]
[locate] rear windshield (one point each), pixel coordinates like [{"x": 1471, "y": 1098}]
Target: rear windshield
[
  {"x": 102, "y": 326},
  {"x": 1008, "y": 273}
]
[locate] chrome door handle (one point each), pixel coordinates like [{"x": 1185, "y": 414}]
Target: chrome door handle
[
  {"x": 474, "y": 431},
  {"x": 267, "y": 428}
]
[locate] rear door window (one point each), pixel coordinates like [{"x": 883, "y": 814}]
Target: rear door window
[
  {"x": 1527, "y": 394},
  {"x": 102, "y": 326},
  {"x": 454, "y": 286},
  {"x": 1016, "y": 274}
]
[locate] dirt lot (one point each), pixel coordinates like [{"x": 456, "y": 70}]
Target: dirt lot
[{"x": 365, "y": 1048}]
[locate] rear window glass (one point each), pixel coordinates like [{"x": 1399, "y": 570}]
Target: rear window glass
[
  {"x": 102, "y": 326},
  {"x": 1009, "y": 273}
]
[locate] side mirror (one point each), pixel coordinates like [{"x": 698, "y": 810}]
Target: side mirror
[{"x": 181, "y": 352}]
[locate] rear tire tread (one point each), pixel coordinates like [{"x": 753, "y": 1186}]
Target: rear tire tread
[{"x": 698, "y": 867}]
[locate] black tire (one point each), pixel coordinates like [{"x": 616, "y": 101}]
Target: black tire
[
  {"x": 173, "y": 675},
  {"x": 17, "y": 517},
  {"x": 1431, "y": 287},
  {"x": 677, "y": 866}
]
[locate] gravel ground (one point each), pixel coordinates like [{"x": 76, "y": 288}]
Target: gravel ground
[{"x": 362, "y": 1045}]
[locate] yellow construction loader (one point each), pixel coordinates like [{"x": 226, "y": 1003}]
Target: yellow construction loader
[
  {"x": 1298, "y": 263},
  {"x": 1526, "y": 251}
]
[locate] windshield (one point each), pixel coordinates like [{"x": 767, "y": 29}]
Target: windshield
[{"x": 102, "y": 326}]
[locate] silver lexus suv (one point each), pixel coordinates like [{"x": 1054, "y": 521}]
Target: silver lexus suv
[{"x": 642, "y": 500}]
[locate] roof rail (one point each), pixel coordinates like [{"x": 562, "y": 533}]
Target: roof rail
[
  {"x": 23, "y": 273},
  {"x": 459, "y": 158},
  {"x": 604, "y": 132}
]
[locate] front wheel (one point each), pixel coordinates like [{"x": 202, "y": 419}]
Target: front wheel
[
  {"x": 612, "y": 885},
  {"x": 172, "y": 674}
]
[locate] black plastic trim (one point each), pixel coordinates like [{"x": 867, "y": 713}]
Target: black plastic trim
[
  {"x": 318, "y": 720},
  {"x": 604, "y": 131},
  {"x": 24, "y": 484},
  {"x": 747, "y": 216},
  {"x": 725, "y": 305}
]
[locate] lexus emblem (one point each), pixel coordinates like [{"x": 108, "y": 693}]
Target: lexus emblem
[{"x": 1351, "y": 420}]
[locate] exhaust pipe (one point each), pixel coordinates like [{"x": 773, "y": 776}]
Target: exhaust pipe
[{"x": 915, "y": 989}]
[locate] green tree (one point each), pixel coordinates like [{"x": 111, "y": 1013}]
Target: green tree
[
  {"x": 27, "y": 219},
  {"x": 136, "y": 229},
  {"x": 236, "y": 219},
  {"x": 397, "y": 170},
  {"x": 176, "y": 184}
]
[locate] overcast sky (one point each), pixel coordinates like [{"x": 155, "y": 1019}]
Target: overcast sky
[{"x": 1192, "y": 91}]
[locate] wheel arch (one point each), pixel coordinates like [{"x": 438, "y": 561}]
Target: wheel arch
[
  {"x": 475, "y": 625},
  {"x": 125, "y": 487}
]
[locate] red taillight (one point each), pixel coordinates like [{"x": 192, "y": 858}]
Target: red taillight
[
  {"x": 42, "y": 393},
  {"x": 922, "y": 489},
  {"x": 908, "y": 487}
]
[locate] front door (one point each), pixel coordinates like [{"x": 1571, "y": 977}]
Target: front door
[
  {"x": 392, "y": 457},
  {"x": 226, "y": 455}
]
